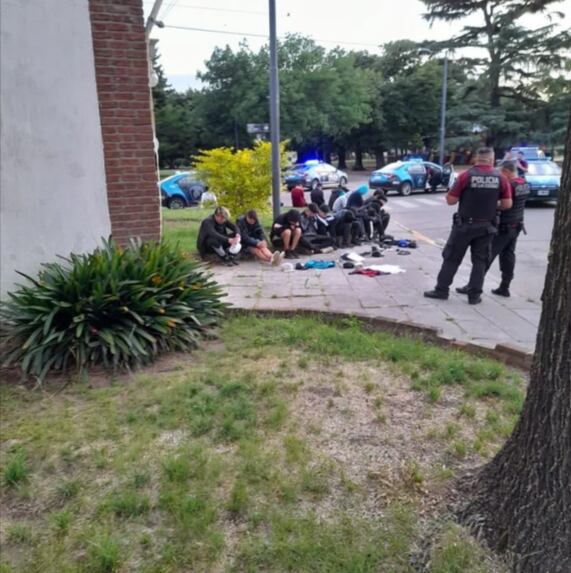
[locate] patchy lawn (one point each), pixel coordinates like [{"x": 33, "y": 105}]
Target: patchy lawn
[{"x": 286, "y": 445}]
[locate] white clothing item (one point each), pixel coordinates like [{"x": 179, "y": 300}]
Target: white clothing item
[
  {"x": 391, "y": 269},
  {"x": 354, "y": 257},
  {"x": 235, "y": 248},
  {"x": 340, "y": 203}
]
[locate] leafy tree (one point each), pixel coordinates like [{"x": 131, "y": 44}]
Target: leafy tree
[
  {"x": 240, "y": 180},
  {"x": 514, "y": 53}
]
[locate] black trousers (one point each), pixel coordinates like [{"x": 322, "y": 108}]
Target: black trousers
[
  {"x": 503, "y": 245},
  {"x": 315, "y": 242},
  {"x": 216, "y": 246},
  {"x": 476, "y": 237}
]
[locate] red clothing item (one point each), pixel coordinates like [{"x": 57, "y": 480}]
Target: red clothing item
[
  {"x": 462, "y": 182},
  {"x": 298, "y": 196}
]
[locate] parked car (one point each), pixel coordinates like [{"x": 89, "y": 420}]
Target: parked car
[
  {"x": 544, "y": 178},
  {"x": 404, "y": 177},
  {"x": 181, "y": 190},
  {"x": 313, "y": 173},
  {"x": 529, "y": 153}
]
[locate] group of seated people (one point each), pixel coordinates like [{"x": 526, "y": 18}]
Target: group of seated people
[{"x": 349, "y": 219}]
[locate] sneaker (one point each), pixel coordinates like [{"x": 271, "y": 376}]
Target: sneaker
[
  {"x": 275, "y": 260},
  {"x": 477, "y": 299},
  {"x": 289, "y": 255},
  {"x": 462, "y": 290},
  {"x": 501, "y": 291},
  {"x": 281, "y": 259},
  {"x": 436, "y": 294},
  {"x": 234, "y": 261},
  {"x": 327, "y": 250}
]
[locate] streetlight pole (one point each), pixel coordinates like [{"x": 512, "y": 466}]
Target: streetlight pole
[
  {"x": 443, "y": 108},
  {"x": 274, "y": 112}
]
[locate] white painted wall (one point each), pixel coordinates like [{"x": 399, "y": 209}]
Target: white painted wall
[{"x": 52, "y": 178}]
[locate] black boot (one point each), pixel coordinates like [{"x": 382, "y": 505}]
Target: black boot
[
  {"x": 435, "y": 293},
  {"x": 474, "y": 299},
  {"x": 463, "y": 290},
  {"x": 502, "y": 290}
]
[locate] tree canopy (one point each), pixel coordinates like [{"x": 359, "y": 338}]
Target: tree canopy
[{"x": 334, "y": 101}]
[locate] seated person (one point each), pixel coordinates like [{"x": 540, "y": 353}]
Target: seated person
[
  {"x": 311, "y": 238},
  {"x": 341, "y": 202},
  {"x": 254, "y": 239},
  {"x": 298, "y": 196},
  {"x": 286, "y": 232},
  {"x": 377, "y": 202},
  {"x": 356, "y": 199},
  {"x": 317, "y": 196},
  {"x": 341, "y": 226},
  {"x": 335, "y": 194},
  {"x": 218, "y": 235}
]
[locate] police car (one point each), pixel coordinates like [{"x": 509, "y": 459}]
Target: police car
[
  {"x": 544, "y": 179},
  {"x": 404, "y": 177},
  {"x": 314, "y": 173},
  {"x": 181, "y": 190}
]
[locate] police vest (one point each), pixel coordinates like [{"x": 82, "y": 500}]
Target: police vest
[
  {"x": 520, "y": 193},
  {"x": 480, "y": 197}
]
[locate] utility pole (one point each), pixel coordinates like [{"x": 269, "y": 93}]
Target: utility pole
[
  {"x": 274, "y": 112},
  {"x": 152, "y": 18},
  {"x": 443, "y": 108}
]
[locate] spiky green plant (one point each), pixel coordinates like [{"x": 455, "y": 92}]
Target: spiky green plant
[{"x": 119, "y": 307}]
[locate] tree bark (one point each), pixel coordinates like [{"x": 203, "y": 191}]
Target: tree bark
[
  {"x": 358, "y": 158},
  {"x": 379, "y": 157},
  {"x": 521, "y": 501},
  {"x": 342, "y": 157}
]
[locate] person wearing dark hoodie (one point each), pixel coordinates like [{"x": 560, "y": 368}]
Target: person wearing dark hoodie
[
  {"x": 381, "y": 216},
  {"x": 340, "y": 226},
  {"x": 311, "y": 238},
  {"x": 254, "y": 238},
  {"x": 286, "y": 233},
  {"x": 218, "y": 235}
]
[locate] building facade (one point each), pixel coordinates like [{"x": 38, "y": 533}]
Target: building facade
[{"x": 77, "y": 155}]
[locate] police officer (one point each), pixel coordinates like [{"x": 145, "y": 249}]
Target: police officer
[
  {"x": 511, "y": 225},
  {"x": 478, "y": 191}
]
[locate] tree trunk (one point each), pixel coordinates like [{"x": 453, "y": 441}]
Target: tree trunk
[
  {"x": 379, "y": 157},
  {"x": 521, "y": 501},
  {"x": 358, "y": 158},
  {"x": 342, "y": 157}
]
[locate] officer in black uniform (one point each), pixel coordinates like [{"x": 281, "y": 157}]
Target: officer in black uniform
[
  {"x": 480, "y": 191},
  {"x": 511, "y": 225}
]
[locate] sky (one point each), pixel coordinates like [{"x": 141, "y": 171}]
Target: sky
[{"x": 356, "y": 24}]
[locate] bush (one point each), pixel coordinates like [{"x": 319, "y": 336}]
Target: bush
[
  {"x": 240, "y": 180},
  {"x": 116, "y": 307}
]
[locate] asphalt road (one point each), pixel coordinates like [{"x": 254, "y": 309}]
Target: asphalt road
[{"x": 429, "y": 217}]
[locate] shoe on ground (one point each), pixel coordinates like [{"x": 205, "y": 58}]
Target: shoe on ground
[
  {"x": 436, "y": 294},
  {"x": 281, "y": 258},
  {"x": 290, "y": 255},
  {"x": 275, "y": 260},
  {"x": 227, "y": 261},
  {"x": 474, "y": 299},
  {"x": 462, "y": 290},
  {"x": 234, "y": 261},
  {"x": 501, "y": 291}
]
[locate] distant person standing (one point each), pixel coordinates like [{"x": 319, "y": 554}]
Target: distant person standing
[
  {"x": 298, "y": 196},
  {"x": 511, "y": 225},
  {"x": 521, "y": 164},
  {"x": 478, "y": 192}
]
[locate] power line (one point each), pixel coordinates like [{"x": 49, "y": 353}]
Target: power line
[
  {"x": 251, "y": 35},
  {"x": 211, "y": 9}
]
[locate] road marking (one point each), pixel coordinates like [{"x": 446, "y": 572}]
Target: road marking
[
  {"x": 406, "y": 204},
  {"x": 430, "y": 201}
]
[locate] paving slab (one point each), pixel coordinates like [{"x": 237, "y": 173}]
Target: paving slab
[{"x": 399, "y": 297}]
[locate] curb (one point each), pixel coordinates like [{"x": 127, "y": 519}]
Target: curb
[{"x": 505, "y": 353}]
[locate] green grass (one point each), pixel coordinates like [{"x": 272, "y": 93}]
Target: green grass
[{"x": 202, "y": 464}]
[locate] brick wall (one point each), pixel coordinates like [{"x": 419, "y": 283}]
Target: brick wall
[{"x": 122, "y": 78}]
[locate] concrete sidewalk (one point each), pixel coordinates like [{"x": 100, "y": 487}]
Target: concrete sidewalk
[{"x": 508, "y": 321}]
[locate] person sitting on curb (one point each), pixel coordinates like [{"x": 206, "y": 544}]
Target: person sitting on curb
[
  {"x": 378, "y": 202},
  {"x": 254, "y": 238},
  {"x": 340, "y": 226},
  {"x": 218, "y": 235},
  {"x": 316, "y": 195},
  {"x": 286, "y": 233},
  {"x": 298, "y": 196},
  {"x": 311, "y": 239},
  {"x": 335, "y": 194}
]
